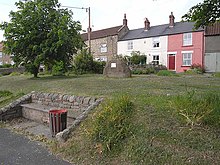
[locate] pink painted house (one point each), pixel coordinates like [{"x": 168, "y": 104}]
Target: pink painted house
[{"x": 185, "y": 48}]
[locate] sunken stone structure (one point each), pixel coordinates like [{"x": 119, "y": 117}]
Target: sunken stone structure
[
  {"x": 117, "y": 68},
  {"x": 36, "y": 106}
]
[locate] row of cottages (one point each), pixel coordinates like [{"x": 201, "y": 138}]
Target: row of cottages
[
  {"x": 104, "y": 42},
  {"x": 175, "y": 45}
]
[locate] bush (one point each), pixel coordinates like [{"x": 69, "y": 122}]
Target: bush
[
  {"x": 195, "y": 109},
  {"x": 165, "y": 73},
  {"x": 112, "y": 124},
  {"x": 58, "y": 69},
  {"x": 6, "y": 66},
  {"x": 98, "y": 66},
  {"x": 197, "y": 68}
]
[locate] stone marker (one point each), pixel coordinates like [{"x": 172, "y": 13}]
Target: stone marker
[{"x": 117, "y": 68}]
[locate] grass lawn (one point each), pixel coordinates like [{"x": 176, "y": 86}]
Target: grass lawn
[{"x": 158, "y": 137}]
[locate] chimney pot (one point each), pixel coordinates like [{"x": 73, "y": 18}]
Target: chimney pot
[
  {"x": 125, "y": 21},
  {"x": 146, "y": 24},
  {"x": 171, "y": 22}
]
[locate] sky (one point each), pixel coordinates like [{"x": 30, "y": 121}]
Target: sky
[{"x": 106, "y": 14}]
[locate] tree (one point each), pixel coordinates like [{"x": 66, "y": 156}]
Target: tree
[
  {"x": 204, "y": 14},
  {"x": 40, "y": 32}
]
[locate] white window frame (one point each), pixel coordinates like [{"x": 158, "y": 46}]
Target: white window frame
[
  {"x": 187, "y": 39},
  {"x": 156, "y": 61},
  {"x": 187, "y": 58},
  {"x": 103, "y": 48},
  {"x": 130, "y": 45},
  {"x": 156, "y": 42}
]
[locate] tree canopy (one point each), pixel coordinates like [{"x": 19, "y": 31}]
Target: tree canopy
[
  {"x": 41, "y": 32},
  {"x": 204, "y": 14}
]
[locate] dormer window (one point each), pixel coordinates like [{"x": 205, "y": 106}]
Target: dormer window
[{"x": 156, "y": 42}]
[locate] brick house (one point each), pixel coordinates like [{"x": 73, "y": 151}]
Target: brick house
[
  {"x": 4, "y": 58},
  {"x": 212, "y": 48},
  {"x": 104, "y": 42}
]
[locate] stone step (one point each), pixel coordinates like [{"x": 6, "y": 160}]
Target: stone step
[{"x": 40, "y": 113}]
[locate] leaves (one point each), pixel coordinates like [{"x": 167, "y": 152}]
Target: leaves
[
  {"x": 41, "y": 33},
  {"x": 204, "y": 14}
]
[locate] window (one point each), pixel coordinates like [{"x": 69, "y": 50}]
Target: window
[
  {"x": 130, "y": 45},
  {"x": 103, "y": 48},
  {"x": 156, "y": 42},
  {"x": 155, "y": 60},
  {"x": 187, "y": 59},
  {"x": 0, "y": 54},
  {"x": 187, "y": 39}
]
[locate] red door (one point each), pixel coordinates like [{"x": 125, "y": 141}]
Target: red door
[{"x": 171, "y": 62}]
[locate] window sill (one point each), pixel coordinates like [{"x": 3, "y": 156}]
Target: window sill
[
  {"x": 187, "y": 45},
  {"x": 185, "y": 65}
]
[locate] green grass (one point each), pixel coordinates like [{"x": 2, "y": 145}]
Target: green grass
[{"x": 158, "y": 136}]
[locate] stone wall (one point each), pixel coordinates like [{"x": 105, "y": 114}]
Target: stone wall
[
  {"x": 62, "y": 100},
  {"x": 6, "y": 71},
  {"x": 14, "y": 110}
]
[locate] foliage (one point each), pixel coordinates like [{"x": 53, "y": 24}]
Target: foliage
[
  {"x": 112, "y": 124},
  {"x": 204, "y": 13},
  {"x": 40, "y": 32},
  {"x": 165, "y": 73},
  {"x": 195, "y": 109},
  {"x": 6, "y": 66},
  {"x": 58, "y": 69},
  {"x": 198, "y": 68},
  {"x": 83, "y": 63},
  {"x": 5, "y": 93},
  {"x": 136, "y": 58},
  {"x": 98, "y": 66},
  {"x": 15, "y": 74},
  {"x": 147, "y": 69}
]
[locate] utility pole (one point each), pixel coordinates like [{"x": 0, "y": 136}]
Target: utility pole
[{"x": 89, "y": 28}]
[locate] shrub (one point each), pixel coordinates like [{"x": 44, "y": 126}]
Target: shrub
[
  {"x": 112, "y": 124},
  {"x": 58, "y": 69},
  {"x": 197, "y": 68},
  {"x": 165, "y": 73},
  {"x": 195, "y": 109},
  {"x": 98, "y": 66}
]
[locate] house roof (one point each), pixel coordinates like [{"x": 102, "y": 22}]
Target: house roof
[
  {"x": 160, "y": 30},
  {"x": 102, "y": 33},
  {"x": 213, "y": 29}
]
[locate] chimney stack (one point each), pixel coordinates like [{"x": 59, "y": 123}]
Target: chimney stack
[
  {"x": 146, "y": 24},
  {"x": 125, "y": 21},
  {"x": 171, "y": 24}
]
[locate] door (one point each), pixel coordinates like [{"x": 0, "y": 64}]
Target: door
[
  {"x": 212, "y": 62},
  {"x": 171, "y": 65}
]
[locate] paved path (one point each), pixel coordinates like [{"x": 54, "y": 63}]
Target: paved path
[{"x": 17, "y": 150}]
